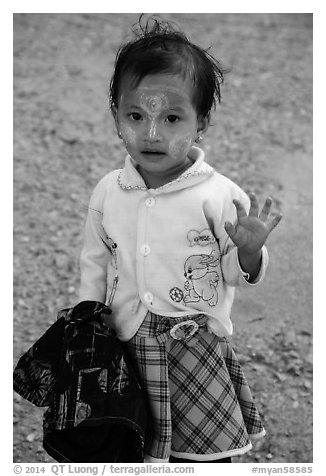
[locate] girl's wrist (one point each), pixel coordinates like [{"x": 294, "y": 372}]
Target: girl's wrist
[{"x": 250, "y": 262}]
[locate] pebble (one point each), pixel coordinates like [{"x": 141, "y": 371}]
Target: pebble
[
  {"x": 22, "y": 303},
  {"x": 307, "y": 384},
  {"x": 280, "y": 377},
  {"x": 61, "y": 261},
  {"x": 30, "y": 437},
  {"x": 294, "y": 370},
  {"x": 257, "y": 445}
]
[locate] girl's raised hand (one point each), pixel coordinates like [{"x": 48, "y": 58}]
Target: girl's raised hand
[{"x": 251, "y": 231}]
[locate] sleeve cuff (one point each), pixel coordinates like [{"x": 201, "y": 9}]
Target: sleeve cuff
[{"x": 246, "y": 276}]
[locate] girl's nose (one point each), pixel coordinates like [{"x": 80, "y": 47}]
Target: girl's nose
[{"x": 153, "y": 133}]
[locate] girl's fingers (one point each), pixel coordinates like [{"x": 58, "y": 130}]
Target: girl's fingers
[
  {"x": 254, "y": 212},
  {"x": 241, "y": 211},
  {"x": 230, "y": 229},
  {"x": 254, "y": 208},
  {"x": 276, "y": 220},
  {"x": 266, "y": 209}
]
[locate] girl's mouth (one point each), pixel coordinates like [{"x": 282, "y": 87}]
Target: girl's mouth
[{"x": 153, "y": 153}]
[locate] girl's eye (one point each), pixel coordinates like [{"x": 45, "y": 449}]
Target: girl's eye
[
  {"x": 135, "y": 116},
  {"x": 172, "y": 118}
]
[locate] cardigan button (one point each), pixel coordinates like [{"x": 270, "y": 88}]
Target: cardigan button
[
  {"x": 145, "y": 250},
  {"x": 150, "y": 202},
  {"x": 148, "y": 297}
]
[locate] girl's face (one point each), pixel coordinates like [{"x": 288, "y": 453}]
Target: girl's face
[{"x": 158, "y": 124}]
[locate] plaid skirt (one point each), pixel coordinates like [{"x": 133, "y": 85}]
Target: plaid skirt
[{"x": 201, "y": 407}]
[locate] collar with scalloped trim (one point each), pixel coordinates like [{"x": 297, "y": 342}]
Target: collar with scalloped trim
[{"x": 130, "y": 179}]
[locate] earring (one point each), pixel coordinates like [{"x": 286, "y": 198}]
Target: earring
[
  {"x": 119, "y": 135},
  {"x": 199, "y": 139}
]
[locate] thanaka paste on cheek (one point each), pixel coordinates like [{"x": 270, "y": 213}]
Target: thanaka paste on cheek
[
  {"x": 128, "y": 135},
  {"x": 180, "y": 146}
]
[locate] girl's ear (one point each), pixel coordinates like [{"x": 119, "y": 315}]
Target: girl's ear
[
  {"x": 114, "y": 111},
  {"x": 203, "y": 123}
]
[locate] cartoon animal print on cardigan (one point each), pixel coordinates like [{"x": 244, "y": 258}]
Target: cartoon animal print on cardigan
[
  {"x": 202, "y": 238},
  {"x": 202, "y": 279}
]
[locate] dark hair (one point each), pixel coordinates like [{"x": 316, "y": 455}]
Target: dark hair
[{"x": 160, "y": 47}]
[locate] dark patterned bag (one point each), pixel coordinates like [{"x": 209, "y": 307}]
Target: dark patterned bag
[{"x": 81, "y": 372}]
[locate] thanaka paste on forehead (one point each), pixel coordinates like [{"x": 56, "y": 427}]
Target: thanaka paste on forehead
[
  {"x": 153, "y": 104},
  {"x": 163, "y": 88}
]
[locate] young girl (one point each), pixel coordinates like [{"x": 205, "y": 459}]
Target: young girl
[{"x": 167, "y": 239}]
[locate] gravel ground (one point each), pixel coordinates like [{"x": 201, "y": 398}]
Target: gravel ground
[{"x": 64, "y": 142}]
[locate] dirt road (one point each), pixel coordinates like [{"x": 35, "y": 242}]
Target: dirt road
[{"x": 64, "y": 141}]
